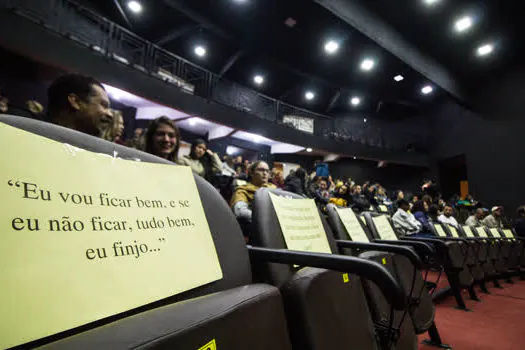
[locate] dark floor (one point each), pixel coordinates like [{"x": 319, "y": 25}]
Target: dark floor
[{"x": 495, "y": 323}]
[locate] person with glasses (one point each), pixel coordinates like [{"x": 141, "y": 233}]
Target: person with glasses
[{"x": 242, "y": 199}]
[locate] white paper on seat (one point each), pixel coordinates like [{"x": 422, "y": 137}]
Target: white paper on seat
[
  {"x": 508, "y": 233},
  {"x": 352, "y": 226},
  {"x": 301, "y": 224},
  {"x": 453, "y": 231},
  {"x": 440, "y": 231},
  {"x": 468, "y": 231},
  {"x": 383, "y": 208},
  {"x": 481, "y": 232},
  {"x": 495, "y": 233},
  {"x": 384, "y": 229}
]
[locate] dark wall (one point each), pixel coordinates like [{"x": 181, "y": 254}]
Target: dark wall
[{"x": 494, "y": 149}]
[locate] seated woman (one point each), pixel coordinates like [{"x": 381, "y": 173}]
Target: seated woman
[
  {"x": 296, "y": 182},
  {"x": 341, "y": 197},
  {"x": 242, "y": 199},
  {"x": 115, "y": 129},
  {"x": 202, "y": 161},
  {"x": 162, "y": 139},
  {"x": 420, "y": 210}
]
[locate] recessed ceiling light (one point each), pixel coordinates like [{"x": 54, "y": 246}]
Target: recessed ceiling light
[
  {"x": 463, "y": 24},
  {"x": 309, "y": 95},
  {"x": 398, "y": 78},
  {"x": 135, "y": 6},
  {"x": 431, "y": 2},
  {"x": 427, "y": 89},
  {"x": 355, "y": 157},
  {"x": 367, "y": 64},
  {"x": 485, "y": 49},
  {"x": 365, "y": 120},
  {"x": 200, "y": 51},
  {"x": 258, "y": 79},
  {"x": 309, "y": 149},
  {"x": 331, "y": 47},
  {"x": 355, "y": 101}
]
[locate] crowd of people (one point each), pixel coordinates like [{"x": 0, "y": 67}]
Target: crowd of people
[{"x": 81, "y": 103}]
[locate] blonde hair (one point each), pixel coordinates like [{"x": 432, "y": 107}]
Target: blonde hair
[
  {"x": 110, "y": 132},
  {"x": 34, "y": 107}
]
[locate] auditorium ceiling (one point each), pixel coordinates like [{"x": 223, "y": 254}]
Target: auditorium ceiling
[{"x": 310, "y": 54}]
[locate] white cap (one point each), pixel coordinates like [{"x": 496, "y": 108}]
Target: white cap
[{"x": 495, "y": 208}]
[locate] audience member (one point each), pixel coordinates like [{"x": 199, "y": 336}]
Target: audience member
[
  {"x": 35, "y": 108},
  {"x": 203, "y": 161},
  {"x": 433, "y": 212},
  {"x": 361, "y": 203},
  {"x": 227, "y": 167},
  {"x": 519, "y": 225},
  {"x": 404, "y": 221},
  {"x": 420, "y": 210},
  {"x": 430, "y": 189},
  {"x": 115, "y": 129},
  {"x": 475, "y": 219},
  {"x": 239, "y": 167},
  {"x": 277, "y": 178},
  {"x": 137, "y": 141},
  {"x": 243, "y": 197},
  {"x": 80, "y": 103},
  {"x": 447, "y": 217},
  {"x": 162, "y": 139},
  {"x": 4, "y": 104},
  {"x": 296, "y": 182},
  {"x": 494, "y": 219},
  {"x": 322, "y": 195},
  {"x": 341, "y": 197}
]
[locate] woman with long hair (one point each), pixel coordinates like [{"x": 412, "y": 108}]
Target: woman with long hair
[
  {"x": 115, "y": 130},
  {"x": 296, "y": 182},
  {"x": 202, "y": 160},
  {"x": 162, "y": 139}
]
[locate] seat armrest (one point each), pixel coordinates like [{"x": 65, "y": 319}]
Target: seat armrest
[
  {"x": 366, "y": 269},
  {"x": 407, "y": 252}
]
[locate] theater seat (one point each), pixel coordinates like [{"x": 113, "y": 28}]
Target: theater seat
[
  {"x": 212, "y": 313},
  {"x": 324, "y": 309}
]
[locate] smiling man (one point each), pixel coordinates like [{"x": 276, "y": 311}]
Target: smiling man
[{"x": 80, "y": 103}]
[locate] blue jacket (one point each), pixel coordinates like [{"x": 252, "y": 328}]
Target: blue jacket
[{"x": 422, "y": 217}]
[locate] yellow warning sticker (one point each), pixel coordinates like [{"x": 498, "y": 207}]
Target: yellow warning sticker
[
  {"x": 346, "y": 279},
  {"x": 212, "y": 345},
  {"x": 383, "y": 261}
]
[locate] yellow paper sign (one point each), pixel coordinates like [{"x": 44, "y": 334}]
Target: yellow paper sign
[
  {"x": 346, "y": 279},
  {"x": 495, "y": 233},
  {"x": 440, "y": 231},
  {"x": 383, "y": 261},
  {"x": 86, "y": 236},
  {"x": 384, "y": 229},
  {"x": 453, "y": 231},
  {"x": 352, "y": 226},
  {"x": 383, "y": 208},
  {"x": 301, "y": 224},
  {"x": 212, "y": 345},
  {"x": 508, "y": 233},
  {"x": 468, "y": 231},
  {"x": 481, "y": 232}
]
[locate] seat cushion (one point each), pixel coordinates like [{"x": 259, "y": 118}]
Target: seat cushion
[
  {"x": 249, "y": 317},
  {"x": 324, "y": 311}
]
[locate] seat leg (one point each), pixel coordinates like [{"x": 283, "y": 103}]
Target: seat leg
[
  {"x": 472, "y": 294},
  {"x": 456, "y": 291},
  {"x": 496, "y": 284},
  {"x": 435, "y": 338},
  {"x": 483, "y": 287}
]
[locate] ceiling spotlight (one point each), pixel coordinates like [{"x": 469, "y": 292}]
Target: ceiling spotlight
[
  {"x": 355, "y": 101},
  {"x": 309, "y": 149},
  {"x": 463, "y": 24},
  {"x": 427, "y": 89},
  {"x": 331, "y": 47},
  {"x": 200, "y": 51},
  {"x": 431, "y": 2},
  {"x": 484, "y": 50},
  {"x": 258, "y": 79},
  {"x": 135, "y": 6},
  {"x": 365, "y": 120},
  {"x": 355, "y": 157},
  {"x": 309, "y": 95},
  {"x": 367, "y": 64},
  {"x": 398, "y": 78}
]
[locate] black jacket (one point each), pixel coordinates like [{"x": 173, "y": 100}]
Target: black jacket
[{"x": 295, "y": 185}]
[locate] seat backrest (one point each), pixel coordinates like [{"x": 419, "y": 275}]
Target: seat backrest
[
  {"x": 439, "y": 230},
  {"x": 380, "y": 226},
  {"x": 227, "y": 236},
  {"x": 346, "y": 225}
]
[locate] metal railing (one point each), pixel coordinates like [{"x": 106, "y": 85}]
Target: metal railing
[{"x": 109, "y": 39}]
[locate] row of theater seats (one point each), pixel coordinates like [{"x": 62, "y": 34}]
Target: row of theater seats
[{"x": 369, "y": 293}]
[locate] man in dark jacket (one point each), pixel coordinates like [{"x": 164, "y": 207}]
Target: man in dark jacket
[{"x": 296, "y": 183}]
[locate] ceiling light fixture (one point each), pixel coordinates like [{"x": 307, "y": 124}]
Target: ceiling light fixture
[
  {"x": 309, "y": 95},
  {"x": 331, "y": 47},
  {"x": 463, "y": 24},
  {"x": 365, "y": 120},
  {"x": 200, "y": 51},
  {"x": 355, "y": 157},
  {"x": 398, "y": 78},
  {"x": 258, "y": 79},
  {"x": 367, "y": 64},
  {"x": 485, "y": 49},
  {"x": 135, "y": 6},
  {"x": 427, "y": 89},
  {"x": 309, "y": 149},
  {"x": 431, "y": 2},
  {"x": 355, "y": 101}
]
